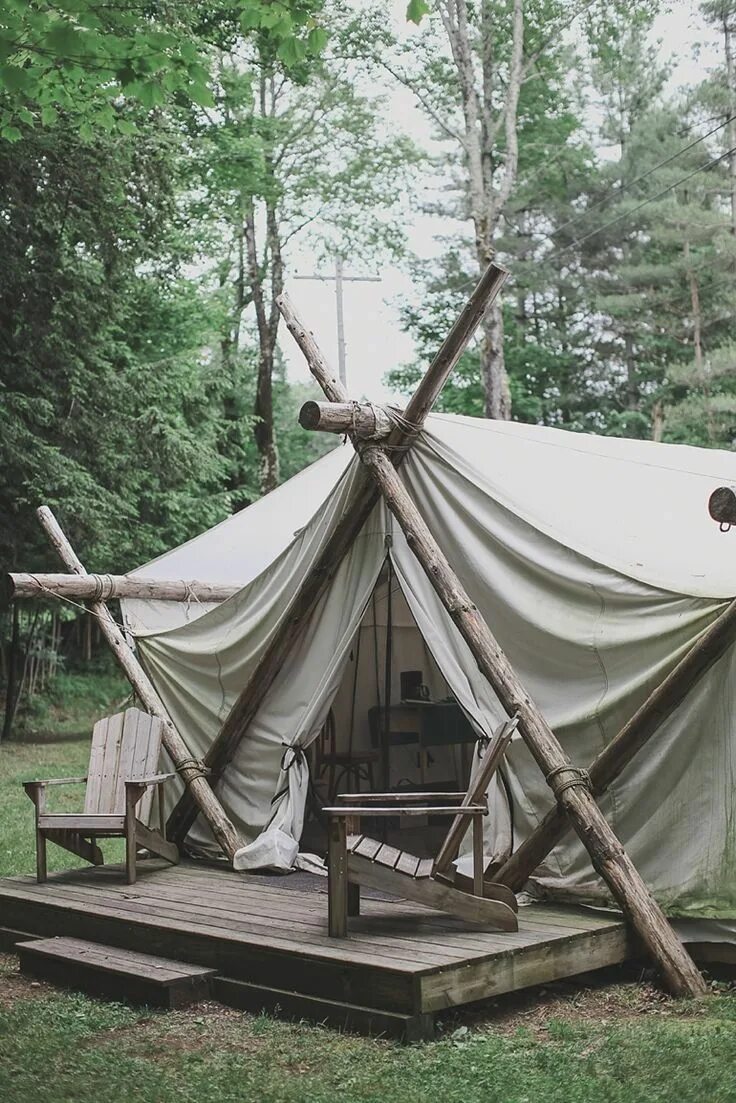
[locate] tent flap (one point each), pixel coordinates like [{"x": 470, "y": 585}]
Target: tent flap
[{"x": 596, "y": 566}]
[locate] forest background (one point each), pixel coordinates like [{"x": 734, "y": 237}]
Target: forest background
[{"x": 165, "y": 167}]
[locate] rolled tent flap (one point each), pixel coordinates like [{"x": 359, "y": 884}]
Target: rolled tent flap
[{"x": 596, "y": 566}]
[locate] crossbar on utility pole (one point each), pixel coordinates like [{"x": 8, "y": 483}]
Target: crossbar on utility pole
[{"x": 340, "y": 278}]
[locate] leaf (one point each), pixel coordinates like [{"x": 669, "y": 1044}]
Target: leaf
[
  {"x": 200, "y": 94},
  {"x": 14, "y": 78},
  {"x": 317, "y": 39},
  {"x": 288, "y": 52},
  {"x": 416, "y": 10},
  {"x": 64, "y": 40},
  {"x": 151, "y": 94},
  {"x": 10, "y": 133},
  {"x": 49, "y": 115},
  {"x": 250, "y": 20},
  {"x": 284, "y": 27}
]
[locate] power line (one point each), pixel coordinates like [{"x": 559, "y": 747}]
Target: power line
[
  {"x": 624, "y": 215},
  {"x": 645, "y": 202},
  {"x": 626, "y": 186}
]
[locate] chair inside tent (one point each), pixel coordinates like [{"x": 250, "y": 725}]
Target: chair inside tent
[{"x": 595, "y": 564}]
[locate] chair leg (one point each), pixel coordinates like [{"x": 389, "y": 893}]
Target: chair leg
[
  {"x": 41, "y": 871},
  {"x": 130, "y": 851},
  {"x": 478, "y": 855},
  {"x": 337, "y": 878},
  {"x": 131, "y": 843}
]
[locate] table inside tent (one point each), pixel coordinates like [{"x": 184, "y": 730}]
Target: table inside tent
[{"x": 426, "y": 723}]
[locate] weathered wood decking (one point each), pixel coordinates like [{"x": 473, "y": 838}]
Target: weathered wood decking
[{"x": 267, "y": 938}]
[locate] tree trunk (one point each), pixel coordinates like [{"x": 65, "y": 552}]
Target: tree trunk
[
  {"x": 490, "y": 104},
  {"x": 731, "y": 80},
  {"x": 11, "y": 692},
  {"x": 493, "y": 366},
  {"x": 632, "y": 383},
  {"x": 657, "y": 421},
  {"x": 263, "y": 428}
]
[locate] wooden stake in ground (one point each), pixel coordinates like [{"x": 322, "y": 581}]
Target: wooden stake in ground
[
  {"x": 569, "y": 785},
  {"x": 634, "y": 735},
  {"x": 364, "y": 499},
  {"x": 188, "y": 767}
]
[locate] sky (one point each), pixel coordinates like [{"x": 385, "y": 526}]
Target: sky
[{"x": 375, "y": 342}]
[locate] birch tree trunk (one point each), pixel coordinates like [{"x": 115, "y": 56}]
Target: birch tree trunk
[
  {"x": 266, "y": 276},
  {"x": 490, "y": 176},
  {"x": 731, "y": 132}
]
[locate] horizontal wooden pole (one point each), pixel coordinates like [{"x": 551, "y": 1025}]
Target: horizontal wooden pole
[
  {"x": 105, "y": 587},
  {"x": 362, "y": 419},
  {"x": 722, "y": 505},
  {"x": 197, "y": 786},
  {"x": 634, "y": 735}
]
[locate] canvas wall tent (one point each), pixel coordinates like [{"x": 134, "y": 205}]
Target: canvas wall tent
[{"x": 595, "y": 563}]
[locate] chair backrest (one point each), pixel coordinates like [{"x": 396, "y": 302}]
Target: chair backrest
[
  {"x": 124, "y": 746},
  {"x": 480, "y": 778}
]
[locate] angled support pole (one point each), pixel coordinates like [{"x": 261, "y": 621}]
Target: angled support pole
[
  {"x": 365, "y": 497},
  {"x": 634, "y": 735},
  {"x": 190, "y": 770},
  {"x": 570, "y": 786}
]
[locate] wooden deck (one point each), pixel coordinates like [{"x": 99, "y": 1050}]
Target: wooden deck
[{"x": 267, "y": 938}]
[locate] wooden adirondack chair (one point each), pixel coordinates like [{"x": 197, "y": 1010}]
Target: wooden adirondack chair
[
  {"x": 121, "y": 781},
  {"x": 355, "y": 859}
]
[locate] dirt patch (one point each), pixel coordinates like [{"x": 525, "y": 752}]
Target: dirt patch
[
  {"x": 14, "y": 986},
  {"x": 597, "y": 1000},
  {"x": 204, "y": 1028}
]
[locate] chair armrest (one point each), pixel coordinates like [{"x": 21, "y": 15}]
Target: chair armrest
[
  {"x": 397, "y": 798},
  {"x": 152, "y": 779},
  {"x": 418, "y": 810},
  {"x": 54, "y": 781}
]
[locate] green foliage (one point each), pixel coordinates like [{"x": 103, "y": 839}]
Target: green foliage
[
  {"x": 106, "y": 389},
  {"x": 86, "y": 59}
]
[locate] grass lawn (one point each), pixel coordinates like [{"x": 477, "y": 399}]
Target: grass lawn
[{"x": 609, "y": 1042}]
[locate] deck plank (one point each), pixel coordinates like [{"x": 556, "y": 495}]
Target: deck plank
[{"x": 399, "y": 958}]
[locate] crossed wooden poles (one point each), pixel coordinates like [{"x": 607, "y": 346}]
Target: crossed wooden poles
[
  {"x": 573, "y": 788},
  {"x": 570, "y": 785}
]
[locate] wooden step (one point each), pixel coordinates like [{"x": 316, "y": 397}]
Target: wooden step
[
  {"x": 345, "y": 1016},
  {"x": 117, "y": 974},
  {"x": 10, "y": 937}
]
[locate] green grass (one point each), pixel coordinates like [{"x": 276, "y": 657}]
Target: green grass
[
  {"x": 609, "y": 1043},
  {"x": 72, "y": 704},
  {"x": 23, "y": 762}
]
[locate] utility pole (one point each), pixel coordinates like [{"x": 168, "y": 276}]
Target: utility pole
[{"x": 339, "y": 279}]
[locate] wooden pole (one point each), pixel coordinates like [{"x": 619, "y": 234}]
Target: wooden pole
[
  {"x": 364, "y": 499},
  {"x": 189, "y": 769},
  {"x": 612, "y": 760},
  {"x": 362, "y": 419},
  {"x": 569, "y": 785},
  {"x": 105, "y": 587}
]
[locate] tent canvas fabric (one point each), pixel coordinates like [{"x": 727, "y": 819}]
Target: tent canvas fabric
[{"x": 595, "y": 563}]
